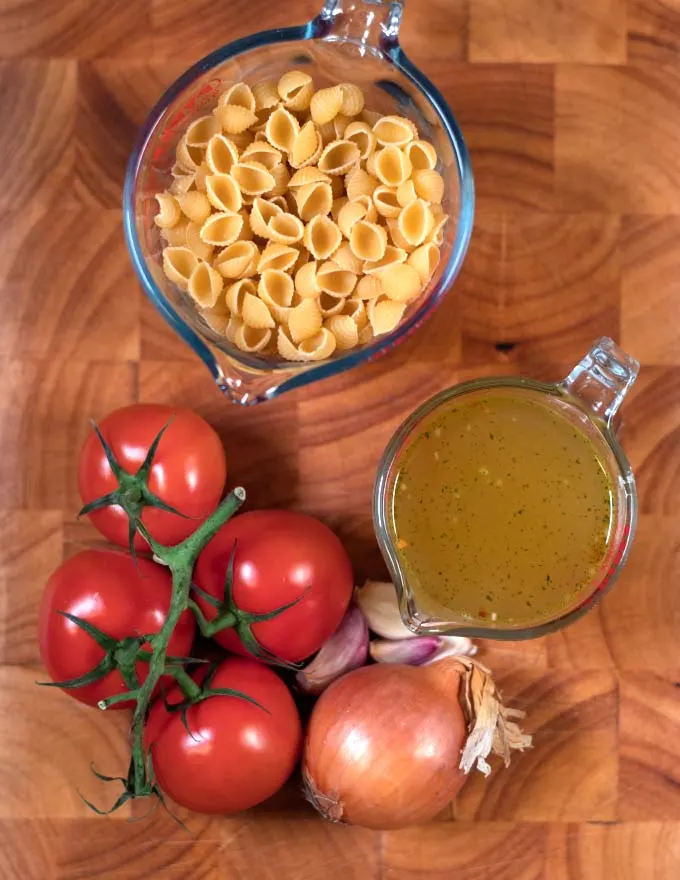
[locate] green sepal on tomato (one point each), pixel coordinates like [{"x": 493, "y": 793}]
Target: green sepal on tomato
[
  {"x": 226, "y": 754},
  {"x": 280, "y": 556},
  {"x": 122, "y": 598},
  {"x": 182, "y": 485}
]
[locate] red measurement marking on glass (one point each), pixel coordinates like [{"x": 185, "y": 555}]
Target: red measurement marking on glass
[{"x": 203, "y": 96}]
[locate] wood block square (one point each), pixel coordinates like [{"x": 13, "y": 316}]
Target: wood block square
[
  {"x": 48, "y": 742},
  {"x": 30, "y": 551},
  {"x": 584, "y": 644},
  {"x": 548, "y": 285},
  {"x": 191, "y": 30},
  {"x": 114, "y": 100},
  {"x": 507, "y": 117},
  {"x": 70, "y": 289},
  {"x": 436, "y": 30},
  {"x": 641, "y": 615},
  {"x": 465, "y": 851},
  {"x": 651, "y": 438},
  {"x": 650, "y": 289},
  {"x": 570, "y": 773},
  {"x": 653, "y": 31},
  {"x": 27, "y": 849},
  {"x": 548, "y": 30},
  {"x": 649, "y": 777},
  {"x": 38, "y": 109},
  {"x": 44, "y": 417},
  {"x": 159, "y": 342},
  {"x": 68, "y": 28},
  {"x": 609, "y": 121}
]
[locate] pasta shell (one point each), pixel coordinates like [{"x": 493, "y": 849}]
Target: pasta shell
[
  {"x": 392, "y": 255},
  {"x": 370, "y": 163},
  {"x": 330, "y": 304},
  {"x": 205, "y": 285},
  {"x": 252, "y": 177},
  {"x": 360, "y": 183},
  {"x": 304, "y": 320},
  {"x": 215, "y": 320},
  {"x": 345, "y": 331},
  {"x": 188, "y": 157},
  {"x": 246, "y": 233},
  {"x": 338, "y": 187},
  {"x": 338, "y": 157},
  {"x": 238, "y": 260},
  {"x": 266, "y": 94},
  {"x": 332, "y": 279},
  {"x": 196, "y": 206},
  {"x": 282, "y": 202},
  {"x": 406, "y": 193},
  {"x": 395, "y": 234},
  {"x": 386, "y": 201},
  {"x": 303, "y": 258},
  {"x": 233, "y": 324},
  {"x": 318, "y": 347},
  {"x": 201, "y": 130},
  {"x": 422, "y": 155},
  {"x": 392, "y": 166},
  {"x": 264, "y": 153},
  {"x": 424, "y": 260},
  {"x": 262, "y": 212},
  {"x": 240, "y": 95},
  {"x": 356, "y": 310},
  {"x": 252, "y": 339},
  {"x": 223, "y": 192},
  {"x": 306, "y": 147},
  {"x": 295, "y": 89},
  {"x": 370, "y": 116},
  {"x": 234, "y": 119},
  {"x": 200, "y": 177},
  {"x": 282, "y": 129},
  {"x": 429, "y": 185},
  {"x": 182, "y": 184},
  {"x": 307, "y": 175},
  {"x": 384, "y": 315},
  {"x": 349, "y": 214},
  {"x": 347, "y": 260},
  {"x": 400, "y": 282},
  {"x": 395, "y": 130},
  {"x": 221, "y": 154},
  {"x": 176, "y": 236},
  {"x": 281, "y": 177},
  {"x": 415, "y": 222},
  {"x": 369, "y": 287},
  {"x": 286, "y": 348},
  {"x": 195, "y": 243},
  {"x": 169, "y": 211},
  {"x": 368, "y": 241},
  {"x": 313, "y": 199},
  {"x": 178, "y": 265},
  {"x": 366, "y": 335},
  {"x": 222, "y": 228},
  {"x": 361, "y": 134},
  {"x": 278, "y": 256},
  {"x": 255, "y": 312},
  {"x": 285, "y": 228},
  {"x": 327, "y": 132},
  {"x": 306, "y": 284},
  {"x": 337, "y": 206},
  {"x": 276, "y": 289},
  {"x": 236, "y": 294},
  {"x": 242, "y": 140},
  {"x": 339, "y": 124},
  {"x": 326, "y": 104},
  {"x": 352, "y": 99},
  {"x": 322, "y": 237},
  {"x": 437, "y": 231}
]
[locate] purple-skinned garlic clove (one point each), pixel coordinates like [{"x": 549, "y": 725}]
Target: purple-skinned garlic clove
[
  {"x": 420, "y": 650},
  {"x": 345, "y": 650}
]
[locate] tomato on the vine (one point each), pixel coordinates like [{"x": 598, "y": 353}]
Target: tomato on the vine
[
  {"x": 122, "y": 599},
  {"x": 279, "y": 556},
  {"x": 230, "y": 754},
  {"x": 184, "y": 483}
]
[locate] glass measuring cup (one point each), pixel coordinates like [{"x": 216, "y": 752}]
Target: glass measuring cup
[
  {"x": 589, "y": 398},
  {"x": 350, "y": 40}
]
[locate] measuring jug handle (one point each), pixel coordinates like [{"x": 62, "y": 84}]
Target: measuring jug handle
[
  {"x": 603, "y": 378},
  {"x": 370, "y": 24}
]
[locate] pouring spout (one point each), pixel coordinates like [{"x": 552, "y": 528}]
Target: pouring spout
[{"x": 370, "y": 25}]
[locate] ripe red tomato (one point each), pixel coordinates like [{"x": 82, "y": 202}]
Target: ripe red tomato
[
  {"x": 105, "y": 588},
  {"x": 188, "y": 473},
  {"x": 280, "y": 556},
  {"x": 237, "y": 754}
]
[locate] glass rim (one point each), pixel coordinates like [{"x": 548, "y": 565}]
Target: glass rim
[
  {"x": 295, "y": 375},
  {"x": 520, "y": 632}
]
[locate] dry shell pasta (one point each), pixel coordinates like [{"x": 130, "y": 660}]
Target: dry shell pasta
[{"x": 300, "y": 222}]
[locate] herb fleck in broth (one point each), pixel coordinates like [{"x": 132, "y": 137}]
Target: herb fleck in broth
[{"x": 502, "y": 509}]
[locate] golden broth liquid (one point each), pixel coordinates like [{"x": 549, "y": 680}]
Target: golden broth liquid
[{"x": 502, "y": 509}]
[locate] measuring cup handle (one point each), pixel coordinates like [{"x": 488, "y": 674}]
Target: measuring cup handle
[
  {"x": 603, "y": 378},
  {"x": 370, "y": 24}
]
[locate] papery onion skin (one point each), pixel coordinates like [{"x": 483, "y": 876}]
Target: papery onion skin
[{"x": 383, "y": 746}]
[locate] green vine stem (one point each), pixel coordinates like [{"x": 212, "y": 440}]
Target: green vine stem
[{"x": 180, "y": 560}]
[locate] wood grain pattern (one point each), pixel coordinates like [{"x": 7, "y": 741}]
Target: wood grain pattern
[{"x": 572, "y": 115}]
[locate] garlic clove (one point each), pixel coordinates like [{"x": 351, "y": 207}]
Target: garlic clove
[
  {"x": 378, "y": 602},
  {"x": 345, "y": 650},
  {"x": 412, "y": 652}
]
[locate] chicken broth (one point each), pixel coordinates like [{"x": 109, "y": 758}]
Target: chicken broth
[{"x": 502, "y": 509}]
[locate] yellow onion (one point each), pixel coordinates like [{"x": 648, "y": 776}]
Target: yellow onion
[{"x": 389, "y": 746}]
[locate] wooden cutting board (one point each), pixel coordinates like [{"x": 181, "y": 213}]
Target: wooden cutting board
[{"x": 572, "y": 114}]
